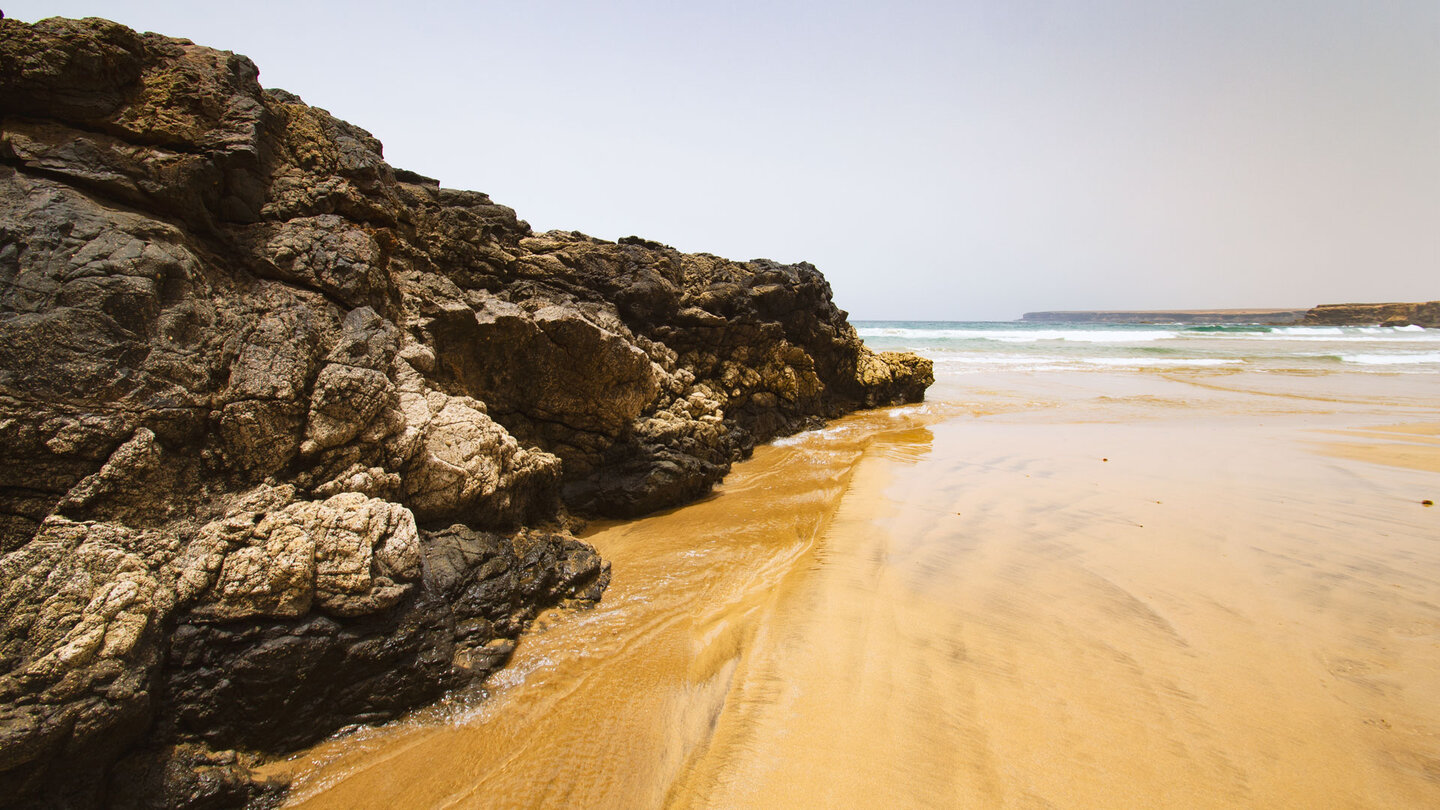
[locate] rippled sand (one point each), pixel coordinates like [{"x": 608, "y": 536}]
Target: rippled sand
[{"x": 1080, "y": 590}]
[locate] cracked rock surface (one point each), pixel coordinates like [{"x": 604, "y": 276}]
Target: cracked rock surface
[{"x": 291, "y": 439}]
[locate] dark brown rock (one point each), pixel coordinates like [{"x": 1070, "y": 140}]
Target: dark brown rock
[{"x": 289, "y": 439}]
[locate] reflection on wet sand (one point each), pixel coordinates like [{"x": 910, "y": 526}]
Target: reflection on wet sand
[
  {"x": 1133, "y": 591},
  {"x": 1416, "y": 446}
]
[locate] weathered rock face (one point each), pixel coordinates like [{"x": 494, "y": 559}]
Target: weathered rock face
[
  {"x": 275, "y": 417},
  {"x": 1425, "y": 314}
]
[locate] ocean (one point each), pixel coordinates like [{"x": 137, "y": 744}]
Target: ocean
[{"x": 974, "y": 347}]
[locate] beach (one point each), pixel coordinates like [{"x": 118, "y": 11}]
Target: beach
[
  {"x": 1126, "y": 570},
  {"x": 329, "y": 479}
]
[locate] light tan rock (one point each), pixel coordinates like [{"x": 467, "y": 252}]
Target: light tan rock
[{"x": 349, "y": 555}]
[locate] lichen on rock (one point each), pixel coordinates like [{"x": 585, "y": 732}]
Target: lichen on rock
[{"x": 291, "y": 439}]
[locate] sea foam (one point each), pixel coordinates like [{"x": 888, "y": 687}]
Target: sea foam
[{"x": 1425, "y": 358}]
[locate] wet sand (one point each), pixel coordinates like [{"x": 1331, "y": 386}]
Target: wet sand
[{"x": 1079, "y": 590}]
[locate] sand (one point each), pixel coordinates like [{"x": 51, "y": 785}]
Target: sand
[{"x": 1199, "y": 589}]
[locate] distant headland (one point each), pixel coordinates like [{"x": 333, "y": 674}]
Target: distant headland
[
  {"x": 1170, "y": 316},
  {"x": 1425, "y": 314}
]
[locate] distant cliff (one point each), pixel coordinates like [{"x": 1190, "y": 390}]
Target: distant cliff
[
  {"x": 1269, "y": 316},
  {"x": 289, "y": 438},
  {"x": 1425, "y": 314}
]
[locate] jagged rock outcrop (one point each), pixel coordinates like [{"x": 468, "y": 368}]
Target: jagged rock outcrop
[
  {"x": 1425, "y": 314},
  {"x": 289, "y": 438}
]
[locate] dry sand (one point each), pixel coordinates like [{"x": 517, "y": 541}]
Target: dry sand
[{"x": 1069, "y": 590}]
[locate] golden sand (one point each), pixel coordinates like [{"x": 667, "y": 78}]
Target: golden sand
[{"x": 1080, "y": 591}]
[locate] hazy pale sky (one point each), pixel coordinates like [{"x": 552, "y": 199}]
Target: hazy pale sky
[{"x": 935, "y": 159}]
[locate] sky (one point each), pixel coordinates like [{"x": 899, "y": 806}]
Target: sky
[{"x": 936, "y": 160}]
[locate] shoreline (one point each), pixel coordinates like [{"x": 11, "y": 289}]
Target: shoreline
[
  {"x": 680, "y": 652},
  {"x": 1094, "y": 590}
]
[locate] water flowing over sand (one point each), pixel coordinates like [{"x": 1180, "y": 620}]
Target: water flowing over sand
[{"x": 1164, "y": 587}]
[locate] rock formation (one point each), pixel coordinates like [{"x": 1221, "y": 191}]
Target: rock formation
[
  {"x": 1268, "y": 316},
  {"x": 1425, "y": 314},
  {"x": 289, "y": 439}
]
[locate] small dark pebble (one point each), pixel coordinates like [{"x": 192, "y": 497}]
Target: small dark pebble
[{"x": 1104, "y": 459}]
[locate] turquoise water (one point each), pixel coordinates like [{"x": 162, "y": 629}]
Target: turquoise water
[{"x": 960, "y": 347}]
